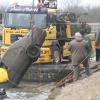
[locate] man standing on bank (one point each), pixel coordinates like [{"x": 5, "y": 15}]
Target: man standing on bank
[{"x": 79, "y": 50}]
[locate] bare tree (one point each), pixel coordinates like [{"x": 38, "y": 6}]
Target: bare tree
[{"x": 67, "y": 4}]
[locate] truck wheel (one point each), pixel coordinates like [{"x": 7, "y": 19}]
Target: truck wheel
[
  {"x": 33, "y": 52},
  {"x": 56, "y": 56}
]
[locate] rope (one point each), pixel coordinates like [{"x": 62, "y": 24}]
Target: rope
[{"x": 62, "y": 81}]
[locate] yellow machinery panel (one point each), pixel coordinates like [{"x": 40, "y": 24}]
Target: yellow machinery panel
[
  {"x": 68, "y": 30},
  {"x": 7, "y": 33},
  {"x": 45, "y": 56},
  {"x": 50, "y": 35},
  {"x": 66, "y": 52},
  {"x": 3, "y": 75}
]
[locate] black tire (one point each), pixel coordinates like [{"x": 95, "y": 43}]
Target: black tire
[
  {"x": 33, "y": 52},
  {"x": 56, "y": 55}
]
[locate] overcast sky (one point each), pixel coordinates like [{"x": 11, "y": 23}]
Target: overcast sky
[
  {"x": 84, "y": 2},
  {"x": 91, "y": 3}
]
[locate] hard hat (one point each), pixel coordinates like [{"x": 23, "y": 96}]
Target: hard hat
[
  {"x": 78, "y": 36},
  {"x": 3, "y": 75}
]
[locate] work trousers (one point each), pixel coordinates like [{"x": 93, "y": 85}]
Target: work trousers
[
  {"x": 76, "y": 70},
  {"x": 97, "y": 54}
]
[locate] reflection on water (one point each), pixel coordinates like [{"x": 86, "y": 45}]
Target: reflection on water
[
  {"x": 17, "y": 95},
  {"x": 42, "y": 96},
  {"x": 30, "y": 91}
]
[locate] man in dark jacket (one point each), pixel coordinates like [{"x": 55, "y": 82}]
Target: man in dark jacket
[{"x": 78, "y": 48}]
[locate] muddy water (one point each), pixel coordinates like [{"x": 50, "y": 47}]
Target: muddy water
[{"x": 30, "y": 91}]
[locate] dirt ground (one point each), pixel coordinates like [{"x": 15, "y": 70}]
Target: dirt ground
[{"x": 85, "y": 89}]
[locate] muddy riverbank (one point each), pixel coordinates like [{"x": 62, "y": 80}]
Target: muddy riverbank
[
  {"x": 85, "y": 89},
  {"x": 30, "y": 91}
]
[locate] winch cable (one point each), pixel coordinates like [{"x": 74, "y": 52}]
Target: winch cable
[{"x": 63, "y": 80}]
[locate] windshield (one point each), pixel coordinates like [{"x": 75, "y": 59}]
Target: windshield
[
  {"x": 40, "y": 20},
  {"x": 21, "y": 20},
  {"x": 17, "y": 20}
]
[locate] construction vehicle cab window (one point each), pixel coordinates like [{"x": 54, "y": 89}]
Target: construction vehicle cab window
[{"x": 25, "y": 16}]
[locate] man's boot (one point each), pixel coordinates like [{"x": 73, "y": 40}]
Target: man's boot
[
  {"x": 87, "y": 71},
  {"x": 76, "y": 74}
]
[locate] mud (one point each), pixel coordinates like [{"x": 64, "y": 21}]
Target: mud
[
  {"x": 30, "y": 91},
  {"x": 87, "y": 88}
]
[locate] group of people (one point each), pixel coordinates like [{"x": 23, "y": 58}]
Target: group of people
[{"x": 80, "y": 48}]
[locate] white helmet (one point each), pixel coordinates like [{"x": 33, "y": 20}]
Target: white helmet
[{"x": 78, "y": 36}]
